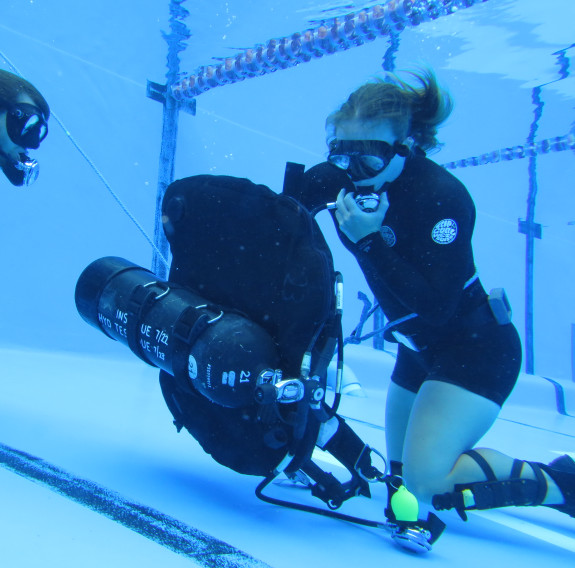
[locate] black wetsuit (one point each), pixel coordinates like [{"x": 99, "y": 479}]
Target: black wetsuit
[{"x": 420, "y": 266}]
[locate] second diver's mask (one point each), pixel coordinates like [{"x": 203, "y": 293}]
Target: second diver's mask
[
  {"x": 362, "y": 160},
  {"x": 26, "y": 125}
]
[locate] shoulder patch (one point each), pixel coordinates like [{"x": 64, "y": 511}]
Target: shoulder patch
[
  {"x": 444, "y": 232},
  {"x": 388, "y": 235}
]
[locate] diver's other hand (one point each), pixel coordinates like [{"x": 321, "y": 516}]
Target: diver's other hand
[{"x": 355, "y": 223}]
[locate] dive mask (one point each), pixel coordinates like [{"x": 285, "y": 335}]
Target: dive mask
[
  {"x": 364, "y": 159},
  {"x": 26, "y": 125}
]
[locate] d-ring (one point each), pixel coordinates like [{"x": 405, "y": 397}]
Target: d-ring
[{"x": 160, "y": 295}]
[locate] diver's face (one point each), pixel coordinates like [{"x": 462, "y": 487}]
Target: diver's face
[
  {"x": 358, "y": 130},
  {"x": 9, "y": 151}
]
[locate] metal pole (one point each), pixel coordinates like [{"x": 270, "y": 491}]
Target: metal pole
[
  {"x": 162, "y": 93},
  {"x": 165, "y": 178},
  {"x": 529, "y": 271},
  {"x": 531, "y": 230}
]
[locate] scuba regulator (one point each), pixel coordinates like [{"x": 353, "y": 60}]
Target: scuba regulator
[{"x": 22, "y": 172}]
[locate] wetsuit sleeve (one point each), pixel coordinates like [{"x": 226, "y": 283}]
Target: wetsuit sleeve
[{"x": 431, "y": 281}]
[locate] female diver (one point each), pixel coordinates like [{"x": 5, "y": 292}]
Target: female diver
[{"x": 409, "y": 224}]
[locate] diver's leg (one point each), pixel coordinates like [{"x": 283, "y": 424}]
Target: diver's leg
[
  {"x": 446, "y": 421},
  {"x": 397, "y": 411},
  {"x": 528, "y": 484},
  {"x": 406, "y": 380}
]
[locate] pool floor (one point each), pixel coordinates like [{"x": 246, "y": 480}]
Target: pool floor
[{"x": 72, "y": 426}]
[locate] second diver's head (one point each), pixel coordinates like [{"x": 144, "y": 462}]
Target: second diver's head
[{"x": 24, "y": 117}]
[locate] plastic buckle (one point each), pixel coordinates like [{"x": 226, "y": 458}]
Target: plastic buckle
[
  {"x": 500, "y": 306},
  {"x": 406, "y": 340}
]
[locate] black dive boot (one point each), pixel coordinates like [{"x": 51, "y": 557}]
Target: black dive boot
[{"x": 562, "y": 471}]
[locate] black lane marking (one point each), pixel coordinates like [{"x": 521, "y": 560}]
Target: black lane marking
[{"x": 162, "y": 529}]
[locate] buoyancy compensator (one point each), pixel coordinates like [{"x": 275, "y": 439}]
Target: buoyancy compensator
[{"x": 243, "y": 332}]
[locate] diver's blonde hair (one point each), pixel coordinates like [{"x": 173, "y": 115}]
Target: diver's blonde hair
[{"x": 414, "y": 111}]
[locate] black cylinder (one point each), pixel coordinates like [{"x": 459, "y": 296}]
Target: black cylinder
[{"x": 219, "y": 354}]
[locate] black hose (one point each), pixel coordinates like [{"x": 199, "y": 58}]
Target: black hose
[{"x": 314, "y": 510}]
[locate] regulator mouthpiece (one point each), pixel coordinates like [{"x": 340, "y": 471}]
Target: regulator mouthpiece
[
  {"x": 368, "y": 202},
  {"x": 29, "y": 169},
  {"x": 21, "y": 172}
]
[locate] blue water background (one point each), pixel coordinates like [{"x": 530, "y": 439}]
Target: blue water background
[{"x": 92, "y": 61}]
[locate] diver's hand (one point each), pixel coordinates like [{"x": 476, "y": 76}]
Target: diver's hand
[{"x": 355, "y": 223}]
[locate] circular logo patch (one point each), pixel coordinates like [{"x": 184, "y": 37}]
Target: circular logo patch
[
  {"x": 388, "y": 235},
  {"x": 444, "y": 232}
]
